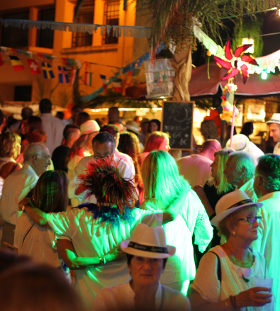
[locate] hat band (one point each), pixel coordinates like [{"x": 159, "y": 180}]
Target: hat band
[
  {"x": 241, "y": 203},
  {"x": 154, "y": 249}
]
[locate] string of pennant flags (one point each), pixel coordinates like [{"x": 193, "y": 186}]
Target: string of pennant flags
[
  {"x": 41, "y": 63},
  {"x": 118, "y": 30}
]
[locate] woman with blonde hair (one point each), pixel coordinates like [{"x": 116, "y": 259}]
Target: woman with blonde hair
[
  {"x": 165, "y": 190},
  {"x": 10, "y": 146},
  {"x": 217, "y": 185}
]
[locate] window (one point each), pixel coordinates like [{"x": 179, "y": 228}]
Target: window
[
  {"x": 15, "y": 37},
  {"x": 23, "y": 93},
  {"x": 85, "y": 16},
  {"x": 111, "y": 16},
  {"x": 45, "y": 36}
]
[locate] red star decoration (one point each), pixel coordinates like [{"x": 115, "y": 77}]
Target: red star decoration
[{"x": 231, "y": 64}]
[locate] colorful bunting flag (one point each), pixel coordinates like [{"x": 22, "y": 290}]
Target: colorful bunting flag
[
  {"x": 103, "y": 78},
  {"x": 63, "y": 76},
  {"x": 33, "y": 66},
  {"x": 47, "y": 71},
  {"x": 73, "y": 76},
  {"x": 16, "y": 63},
  {"x": 117, "y": 85},
  {"x": 88, "y": 78}
]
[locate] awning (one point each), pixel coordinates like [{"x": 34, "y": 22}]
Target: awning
[{"x": 200, "y": 85}]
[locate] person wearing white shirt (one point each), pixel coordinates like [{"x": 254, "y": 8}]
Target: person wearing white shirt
[
  {"x": 147, "y": 254},
  {"x": 239, "y": 171},
  {"x": 267, "y": 187},
  {"x": 274, "y": 131},
  {"x": 103, "y": 145},
  {"x": 18, "y": 185},
  {"x": 52, "y": 126}
]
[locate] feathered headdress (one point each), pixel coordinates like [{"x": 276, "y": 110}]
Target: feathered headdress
[{"x": 104, "y": 181}]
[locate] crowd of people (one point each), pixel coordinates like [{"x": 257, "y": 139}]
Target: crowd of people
[{"x": 100, "y": 216}]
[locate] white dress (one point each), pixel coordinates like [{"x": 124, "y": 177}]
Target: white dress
[
  {"x": 191, "y": 220},
  {"x": 234, "y": 279}
]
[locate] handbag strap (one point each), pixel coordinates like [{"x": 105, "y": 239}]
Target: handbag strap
[
  {"x": 219, "y": 270},
  {"x": 27, "y": 232}
]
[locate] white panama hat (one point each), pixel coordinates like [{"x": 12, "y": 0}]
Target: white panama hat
[
  {"x": 148, "y": 242},
  {"x": 89, "y": 127},
  {"x": 274, "y": 119},
  {"x": 230, "y": 203},
  {"x": 240, "y": 142}
]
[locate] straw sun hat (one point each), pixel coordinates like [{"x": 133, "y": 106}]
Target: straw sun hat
[
  {"x": 230, "y": 203},
  {"x": 148, "y": 242}
]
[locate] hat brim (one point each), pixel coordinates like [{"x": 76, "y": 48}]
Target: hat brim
[
  {"x": 136, "y": 252},
  {"x": 218, "y": 218},
  {"x": 134, "y": 130},
  {"x": 273, "y": 121}
]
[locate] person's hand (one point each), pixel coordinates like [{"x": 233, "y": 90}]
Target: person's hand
[
  {"x": 253, "y": 297},
  {"x": 23, "y": 202}
]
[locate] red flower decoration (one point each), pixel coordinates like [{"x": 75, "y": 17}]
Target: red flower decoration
[{"x": 231, "y": 64}]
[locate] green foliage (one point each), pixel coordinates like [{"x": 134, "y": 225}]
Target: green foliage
[
  {"x": 249, "y": 29},
  {"x": 173, "y": 19},
  {"x": 113, "y": 99}
]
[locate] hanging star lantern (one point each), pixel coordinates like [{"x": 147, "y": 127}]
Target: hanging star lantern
[{"x": 234, "y": 62}]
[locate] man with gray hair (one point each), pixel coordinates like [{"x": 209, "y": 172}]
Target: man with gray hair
[
  {"x": 18, "y": 185},
  {"x": 239, "y": 172},
  {"x": 267, "y": 188}
]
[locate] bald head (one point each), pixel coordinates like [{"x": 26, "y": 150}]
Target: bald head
[{"x": 209, "y": 148}]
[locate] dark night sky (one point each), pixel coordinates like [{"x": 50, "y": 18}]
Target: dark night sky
[
  {"x": 271, "y": 25},
  {"x": 271, "y": 43}
]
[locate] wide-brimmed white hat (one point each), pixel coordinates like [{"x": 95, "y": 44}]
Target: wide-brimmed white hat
[
  {"x": 274, "y": 119},
  {"x": 240, "y": 142},
  {"x": 230, "y": 203},
  {"x": 89, "y": 127},
  {"x": 148, "y": 242},
  {"x": 132, "y": 126}
]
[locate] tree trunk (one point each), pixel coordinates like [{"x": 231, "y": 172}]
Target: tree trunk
[{"x": 182, "y": 63}]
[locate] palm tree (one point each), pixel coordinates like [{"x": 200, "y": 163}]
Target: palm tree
[{"x": 173, "y": 20}]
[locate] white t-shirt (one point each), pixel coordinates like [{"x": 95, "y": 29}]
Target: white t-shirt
[
  {"x": 81, "y": 168},
  {"x": 53, "y": 127}
]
